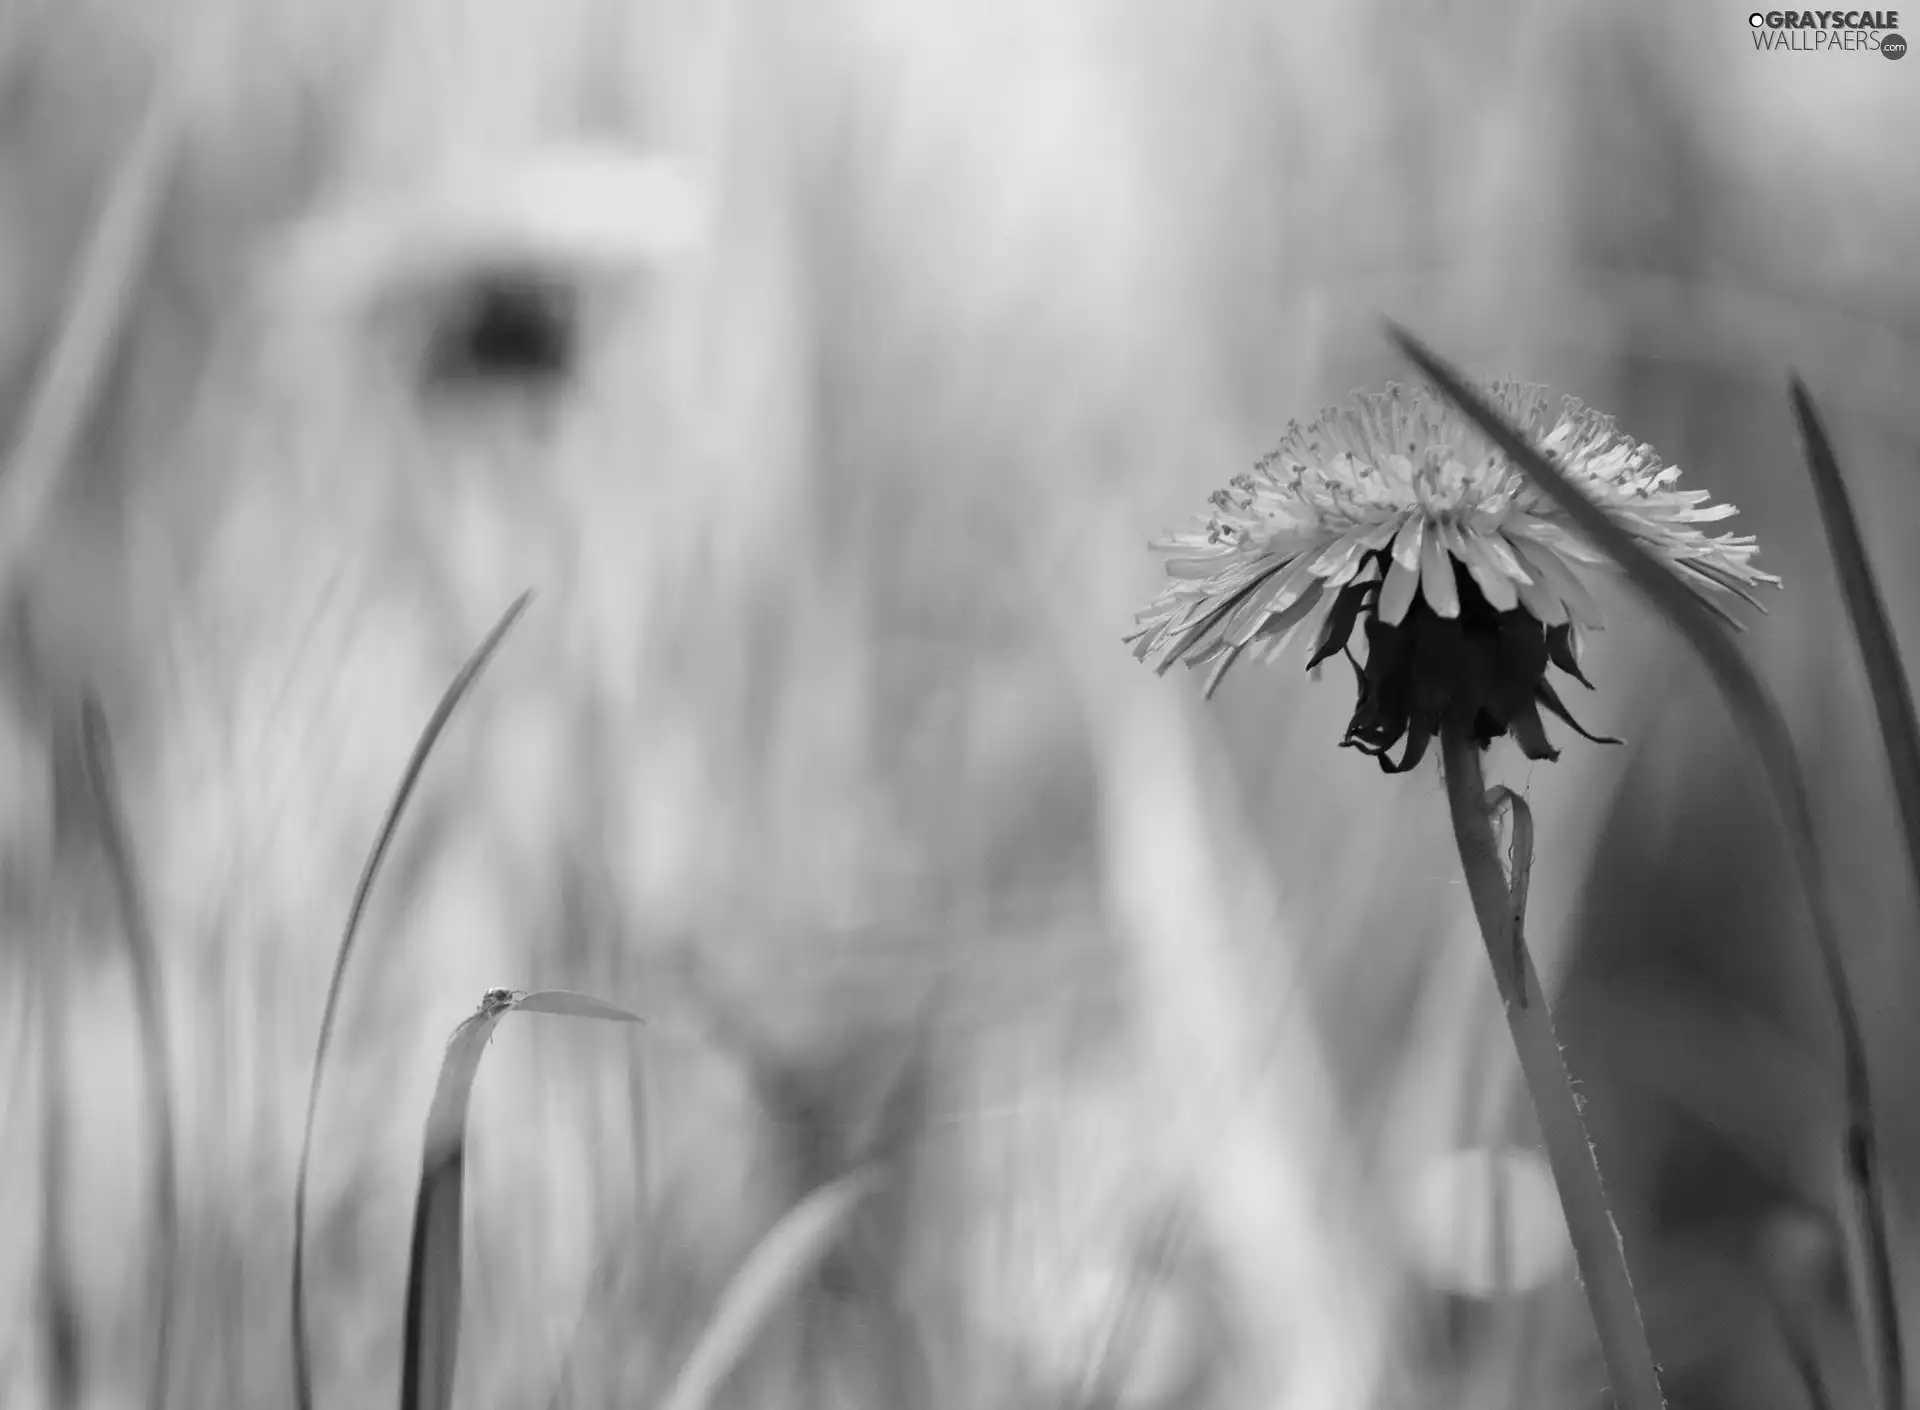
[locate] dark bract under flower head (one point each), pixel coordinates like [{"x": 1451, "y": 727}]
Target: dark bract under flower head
[
  {"x": 1395, "y": 511},
  {"x": 1481, "y": 672}
]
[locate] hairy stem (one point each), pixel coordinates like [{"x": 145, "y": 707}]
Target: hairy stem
[{"x": 1597, "y": 1249}]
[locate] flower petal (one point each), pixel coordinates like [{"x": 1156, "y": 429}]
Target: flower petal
[
  {"x": 1495, "y": 546},
  {"x": 1197, "y": 569},
  {"x": 1542, "y": 602},
  {"x": 1562, "y": 581},
  {"x": 1403, "y": 576},
  {"x": 1274, "y": 596},
  {"x": 1567, "y": 543},
  {"x": 1436, "y": 577},
  {"x": 1711, "y": 513},
  {"x": 1281, "y": 628},
  {"x": 1499, "y": 589},
  {"x": 1396, "y": 596},
  {"x": 1406, "y": 543},
  {"x": 1219, "y": 671},
  {"x": 1380, "y": 535},
  {"x": 1339, "y": 560}
]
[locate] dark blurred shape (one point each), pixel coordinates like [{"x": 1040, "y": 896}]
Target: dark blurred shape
[{"x": 505, "y": 327}]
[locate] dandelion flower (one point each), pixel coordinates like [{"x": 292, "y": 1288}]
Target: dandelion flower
[{"x": 1395, "y": 511}]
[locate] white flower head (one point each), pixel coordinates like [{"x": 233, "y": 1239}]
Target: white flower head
[{"x": 1397, "y": 510}]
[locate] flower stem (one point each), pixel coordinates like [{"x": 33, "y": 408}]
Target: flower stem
[{"x": 1597, "y": 1249}]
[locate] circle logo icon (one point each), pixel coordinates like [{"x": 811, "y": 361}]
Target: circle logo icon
[
  {"x": 1756, "y": 19},
  {"x": 1892, "y": 46}
]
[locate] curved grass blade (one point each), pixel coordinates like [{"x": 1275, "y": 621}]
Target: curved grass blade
[
  {"x": 568, "y": 1004},
  {"x": 1886, "y": 677},
  {"x": 455, "y": 693},
  {"x": 59, "y": 1319},
  {"x": 1684, "y": 608},
  {"x": 66, "y": 386},
  {"x": 1759, "y": 717},
  {"x": 106, "y": 277},
  {"x": 433, "y": 1272},
  {"x": 789, "y": 1254},
  {"x": 432, "y": 1345},
  {"x": 143, "y": 958},
  {"x": 1867, "y": 610}
]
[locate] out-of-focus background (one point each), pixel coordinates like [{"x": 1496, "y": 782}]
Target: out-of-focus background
[{"x": 877, "y": 340}]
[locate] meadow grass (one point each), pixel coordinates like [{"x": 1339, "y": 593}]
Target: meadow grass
[{"x": 1017, "y": 1032}]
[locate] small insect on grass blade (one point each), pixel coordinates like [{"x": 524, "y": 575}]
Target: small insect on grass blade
[
  {"x": 781, "y": 1262},
  {"x": 455, "y": 693},
  {"x": 1867, "y": 610}
]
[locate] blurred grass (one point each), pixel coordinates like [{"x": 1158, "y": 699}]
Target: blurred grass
[{"x": 827, "y": 713}]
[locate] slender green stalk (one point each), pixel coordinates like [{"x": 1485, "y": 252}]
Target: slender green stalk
[
  {"x": 443, "y": 712},
  {"x": 430, "y": 1344},
  {"x": 1867, "y": 610},
  {"x": 781, "y": 1263},
  {"x": 1862, "y": 1196},
  {"x": 1597, "y": 1248},
  {"x": 61, "y": 1338},
  {"x": 1861, "y": 1221},
  {"x": 143, "y": 957}
]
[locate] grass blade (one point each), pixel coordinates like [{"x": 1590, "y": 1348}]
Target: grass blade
[
  {"x": 568, "y": 1004},
  {"x": 67, "y": 384},
  {"x": 434, "y": 1266},
  {"x": 1759, "y": 716},
  {"x": 455, "y": 693},
  {"x": 143, "y": 958},
  {"x": 1704, "y": 631},
  {"x": 1867, "y": 610},
  {"x": 432, "y": 1346},
  {"x": 60, "y": 1327},
  {"x": 106, "y": 277},
  {"x": 780, "y": 1263}
]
